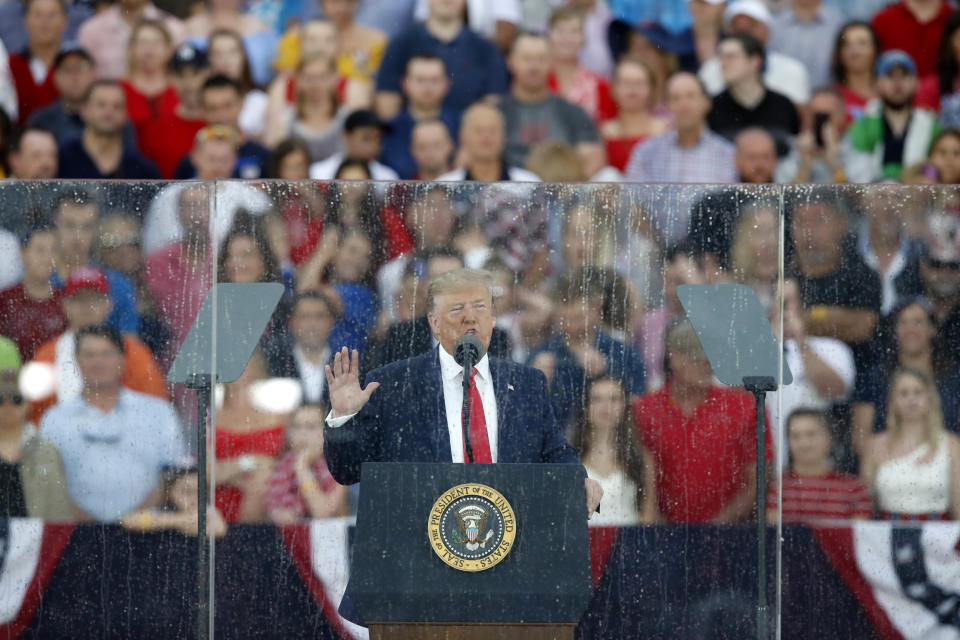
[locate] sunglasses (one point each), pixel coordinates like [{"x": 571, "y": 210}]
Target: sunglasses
[
  {"x": 14, "y": 398},
  {"x": 943, "y": 264}
]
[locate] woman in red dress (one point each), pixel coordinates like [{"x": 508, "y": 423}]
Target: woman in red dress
[
  {"x": 632, "y": 91},
  {"x": 150, "y": 94}
]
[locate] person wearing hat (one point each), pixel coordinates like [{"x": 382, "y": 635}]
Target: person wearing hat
[
  {"x": 781, "y": 73},
  {"x": 166, "y": 140},
  {"x": 715, "y": 480},
  {"x": 45, "y": 21},
  {"x": 893, "y": 133},
  {"x": 86, "y": 302},
  {"x": 31, "y": 471},
  {"x": 362, "y": 137}
]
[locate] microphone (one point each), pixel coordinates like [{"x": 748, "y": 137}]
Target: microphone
[{"x": 467, "y": 352}]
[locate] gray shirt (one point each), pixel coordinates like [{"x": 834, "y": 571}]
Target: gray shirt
[
  {"x": 112, "y": 461},
  {"x": 551, "y": 119},
  {"x": 809, "y": 42}
]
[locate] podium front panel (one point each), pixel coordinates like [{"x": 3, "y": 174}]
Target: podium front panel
[{"x": 397, "y": 576}]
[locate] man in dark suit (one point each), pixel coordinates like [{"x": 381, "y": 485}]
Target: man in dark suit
[
  {"x": 304, "y": 350},
  {"x": 416, "y": 418}
]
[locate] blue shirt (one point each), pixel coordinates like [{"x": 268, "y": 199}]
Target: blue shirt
[
  {"x": 396, "y": 144},
  {"x": 359, "y": 315},
  {"x": 566, "y": 390},
  {"x": 112, "y": 461},
  {"x": 124, "y": 317},
  {"x": 672, "y": 15},
  {"x": 474, "y": 65}
]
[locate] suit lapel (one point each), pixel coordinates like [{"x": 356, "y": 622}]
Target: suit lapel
[
  {"x": 433, "y": 409},
  {"x": 506, "y": 428}
]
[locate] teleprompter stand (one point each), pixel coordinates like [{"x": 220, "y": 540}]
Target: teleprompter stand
[
  {"x": 221, "y": 340},
  {"x": 736, "y": 336},
  {"x": 400, "y": 588}
]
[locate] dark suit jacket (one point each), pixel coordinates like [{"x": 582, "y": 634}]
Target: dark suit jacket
[{"x": 406, "y": 421}]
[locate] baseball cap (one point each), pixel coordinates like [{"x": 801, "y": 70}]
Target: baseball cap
[
  {"x": 363, "y": 118},
  {"x": 893, "y": 59},
  {"x": 87, "y": 278},
  {"x": 755, "y": 9},
  {"x": 188, "y": 55},
  {"x": 71, "y": 49}
]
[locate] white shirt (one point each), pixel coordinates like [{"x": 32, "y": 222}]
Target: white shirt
[
  {"x": 783, "y": 74},
  {"x": 11, "y": 266},
  {"x": 516, "y": 174},
  {"x": 312, "y": 376},
  {"x": 452, "y": 375}
]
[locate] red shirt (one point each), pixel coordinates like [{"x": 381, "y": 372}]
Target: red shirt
[
  {"x": 167, "y": 140},
  {"x": 835, "y": 496},
  {"x": 590, "y": 92},
  {"x": 898, "y": 28},
  {"x": 143, "y": 109},
  {"x": 233, "y": 444},
  {"x": 283, "y": 491},
  {"x": 28, "y": 322},
  {"x": 701, "y": 459},
  {"x": 31, "y": 96},
  {"x": 619, "y": 149}
]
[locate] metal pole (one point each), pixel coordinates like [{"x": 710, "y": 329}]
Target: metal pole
[
  {"x": 759, "y": 386},
  {"x": 201, "y": 383}
]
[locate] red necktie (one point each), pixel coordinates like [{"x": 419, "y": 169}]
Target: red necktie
[{"x": 478, "y": 426}]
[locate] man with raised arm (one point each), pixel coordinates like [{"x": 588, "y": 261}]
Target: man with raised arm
[{"x": 416, "y": 416}]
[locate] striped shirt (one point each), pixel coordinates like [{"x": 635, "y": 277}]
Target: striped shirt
[{"x": 835, "y": 496}]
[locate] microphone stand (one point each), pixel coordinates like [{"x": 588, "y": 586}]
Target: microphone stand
[{"x": 465, "y": 422}]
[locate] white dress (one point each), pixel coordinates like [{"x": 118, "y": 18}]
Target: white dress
[
  {"x": 618, "y": 507},
  {"x": 907, "y": 485}
]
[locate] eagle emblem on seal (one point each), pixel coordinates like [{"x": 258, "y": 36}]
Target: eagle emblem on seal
[{"x": 472, "y": 527}]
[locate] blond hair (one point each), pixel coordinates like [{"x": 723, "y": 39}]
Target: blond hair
[
  {"x": 457, "y": 280},
  {"x": 934, "y": 422}
]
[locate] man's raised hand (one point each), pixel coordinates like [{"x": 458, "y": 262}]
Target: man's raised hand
[{"x": 343, "y": 381}]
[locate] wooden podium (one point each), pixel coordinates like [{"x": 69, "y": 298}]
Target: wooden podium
[{"x": 470, "y": 551}]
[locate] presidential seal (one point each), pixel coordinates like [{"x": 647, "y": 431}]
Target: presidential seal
[{"x": 471, "y": 527}]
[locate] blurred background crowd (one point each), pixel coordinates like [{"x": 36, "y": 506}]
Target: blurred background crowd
[{"x": 546, "y": 141}]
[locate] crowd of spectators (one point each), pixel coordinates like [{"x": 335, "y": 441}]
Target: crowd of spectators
[{"x": 381, "y": 119}]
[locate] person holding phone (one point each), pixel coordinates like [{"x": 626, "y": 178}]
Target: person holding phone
[{"x": 818, "y": 145}]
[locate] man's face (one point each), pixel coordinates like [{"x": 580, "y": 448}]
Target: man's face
[
  {"x": 687, "y": 102},
  {"x": 431, "y": 218},
  {"x": 311, "y": 323},
  {"x": 468, "y": 311},
  {"x": 425, "y": 84},
  {"x": 45, "y": 22},
  {"x": 100, "y": 362},
  {"x": 734, "y": 62},
  {"x": 756, "y": 158},
  {"x": 74, "y": 77},
  {"x": 897, "y": 88},
  {"x": 105, "y": 110},
  {"x": 194, "y": 212},
  {"x": 817, "y": 233},
  {"x": 578, "y": 319},
  {"x": 363, "y": 143},
  {"x": 76, "y": 227},
  {"x": 530, "y": 63},
  {"x": 482, "y": 134},
  {"x": 37, "y": 157},
  {"x": 431, "y": 146},
  {"x": 221, "y": 105},
  {"x": 319, "y": 37},
  {"x": 86, "y": 307},
  {"x": 214, "y": 159},
  {"x": 188, "y": 82},
  {"x": 446, "y": 9},
  {"x": 38, "y": 255}
]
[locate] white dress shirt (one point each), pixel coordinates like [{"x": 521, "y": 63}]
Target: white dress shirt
[
  {"x": 312, "y": 376},
  {"x": 452, "y": 375}
]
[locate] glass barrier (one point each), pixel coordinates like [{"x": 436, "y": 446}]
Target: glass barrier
[{"x": 862, "y": 283}]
